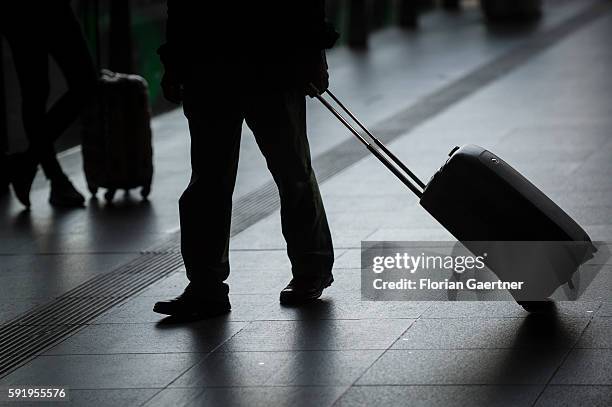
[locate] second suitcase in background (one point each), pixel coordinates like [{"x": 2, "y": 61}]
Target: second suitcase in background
[{"x": 117, "y": 147}]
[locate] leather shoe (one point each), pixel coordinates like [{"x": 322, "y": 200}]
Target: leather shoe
[
  {"x": 301, "y": 290},
  {"x": 64, "y": 194},
  {"x": 190, "y": 305}
]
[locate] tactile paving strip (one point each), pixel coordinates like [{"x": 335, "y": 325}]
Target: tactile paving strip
[{"x": 33, "y": 332}]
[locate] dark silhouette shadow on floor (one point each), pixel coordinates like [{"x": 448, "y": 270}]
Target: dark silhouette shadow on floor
[
  {"x": 205, "y": 334},
  {"x": 538, "y": 348},
  {"x": 321, "y": 308},
  {"x": 316, "y": 331},
  {"x": 524, "y": 354},
  {"x": 312, "y": 329}
]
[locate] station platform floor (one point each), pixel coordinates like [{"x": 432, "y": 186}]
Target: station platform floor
[{"x": 77, "y": 287}]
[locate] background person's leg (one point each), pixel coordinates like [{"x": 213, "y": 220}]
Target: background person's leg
[
  {"x": 67, "y": 46},
  {"x": 32, "y": 65},
  {"x": 64, "y": 41},
  {"x": 206, "y": 204},
  {"x": 278, "y": 119}
]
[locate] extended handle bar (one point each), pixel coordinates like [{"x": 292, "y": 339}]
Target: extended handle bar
[{"x": 391, "y": 164}]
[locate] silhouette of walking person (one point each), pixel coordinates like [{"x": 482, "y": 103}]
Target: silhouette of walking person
[
  {"x": 230, "y": 62},
  {"x": 35, "y": 31}
]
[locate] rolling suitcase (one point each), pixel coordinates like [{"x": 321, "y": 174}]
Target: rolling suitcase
[
  {"x": 117, "y": 148},
  {"x": 489, "y": 207}
]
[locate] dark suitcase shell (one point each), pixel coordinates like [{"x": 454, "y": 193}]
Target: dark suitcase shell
[
  {"x": 491, "y": 208},
  {"x": 117, "y": 147},
  {"x": 478, "y": 196}
]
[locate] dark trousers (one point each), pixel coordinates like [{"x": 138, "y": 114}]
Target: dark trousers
[
  {"x": 58, "y": 34},
  {"x": 277, "y": 117}
]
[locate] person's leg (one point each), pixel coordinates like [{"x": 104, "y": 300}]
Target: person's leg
[
  {"x": 215, "y": 123},
  {"x": 31, "y": 65},
  {"x": 67, "y": 46},
  {"x": 278, "y": 119},
  {"x": 206, "y": 205}
]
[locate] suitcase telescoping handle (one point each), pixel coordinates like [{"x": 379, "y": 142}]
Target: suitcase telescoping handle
[{"x": 378, "y": 148}]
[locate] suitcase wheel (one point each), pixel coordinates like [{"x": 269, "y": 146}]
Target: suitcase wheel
[
  {"x": 145, "y": 191},
  {"x": 110, "y": 194}
]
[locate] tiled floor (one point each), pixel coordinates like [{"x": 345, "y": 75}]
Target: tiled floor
[{"x": 551, "y": 117}]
